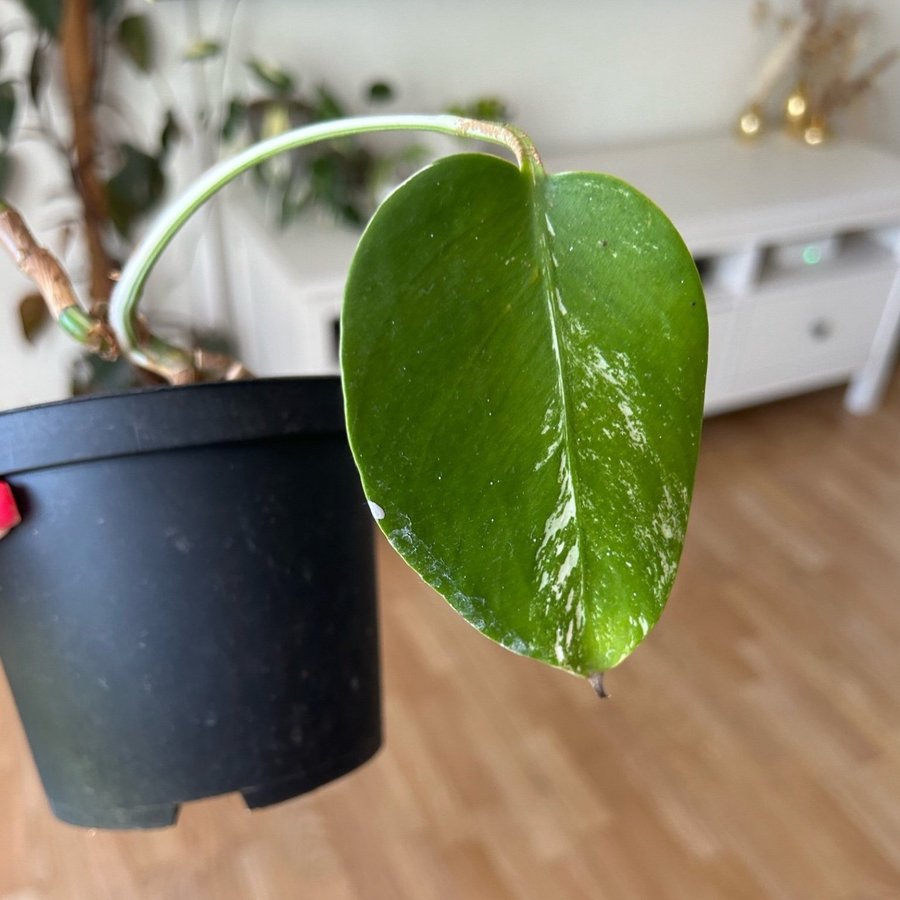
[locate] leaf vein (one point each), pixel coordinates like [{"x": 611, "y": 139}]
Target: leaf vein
[{"x": 544, "y": 232}]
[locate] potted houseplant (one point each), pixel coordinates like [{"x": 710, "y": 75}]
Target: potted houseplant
[{"x": 523, "y": 361}]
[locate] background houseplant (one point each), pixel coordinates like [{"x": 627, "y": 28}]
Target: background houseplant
[
  {"x": 524, "y": 358},
  {"x": 66, "y": 72}
]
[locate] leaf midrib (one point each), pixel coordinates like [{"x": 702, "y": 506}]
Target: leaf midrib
[{"x": 541, "y": 228}]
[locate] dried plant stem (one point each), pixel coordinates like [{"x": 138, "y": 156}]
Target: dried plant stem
[
  {"x": 218, "y": 366},
  {"x": 91, "y": 329},
  {"x": 844, "y": 91},
  {"x": 45, "y": 270},
  {"x": 778, "y": 61},
  {"x": 79, "y": 69}
]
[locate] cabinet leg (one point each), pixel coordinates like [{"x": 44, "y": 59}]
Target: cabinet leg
[{"x": 868, "y": 384}]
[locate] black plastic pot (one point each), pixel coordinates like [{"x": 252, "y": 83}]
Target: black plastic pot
[{"x": 188, "y": 607}]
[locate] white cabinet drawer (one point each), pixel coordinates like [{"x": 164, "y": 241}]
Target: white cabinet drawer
[{"x": 811, "y": 333}]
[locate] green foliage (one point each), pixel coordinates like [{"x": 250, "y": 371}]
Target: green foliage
[
  {"x": 345, "y": 177},
  {"x": 380, "y": 92},
  {"x": 134, "y": 37},
  {"x": 169, "y": 135},
  {"x": 202, "y": 50},
  {"x": 107, "y": 9},
  {"x": 7, "y": 109},
  {"x": 47, "y": 14},
  {"x": 36, "y": 74},
  {"x": 341, "y": 176},
  {"x": 137, "y": 184},
  {"x": 487, "y": 109},
  {"x": 272, "y": 77},
  {"x": 135, "y": 188},
  {"x": 532, "y": 352},
  {"x": 326, "y": 105},
  {"x": 235, "y": 119}
]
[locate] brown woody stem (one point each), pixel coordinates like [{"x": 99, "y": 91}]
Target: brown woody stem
[
  {"x": 79, "y": 69},
  {"x": 175, "y": 365},
  {"x": 45, "y": 270}
]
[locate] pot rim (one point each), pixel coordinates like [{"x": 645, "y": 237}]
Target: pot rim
[{"x": 167, "y": 417}]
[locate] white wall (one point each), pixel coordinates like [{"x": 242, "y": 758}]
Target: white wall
[
  {"x": 575, "y": 73},
  {"x": 880, "y": 117}
]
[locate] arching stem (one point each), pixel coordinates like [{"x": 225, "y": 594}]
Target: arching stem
[{"x": 153, "y": 354}]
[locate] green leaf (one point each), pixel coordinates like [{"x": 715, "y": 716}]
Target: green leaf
[
  {"x": 5, "y": 172},
  {"x": 33, "y": 316},
  {"x": 7, "y": 108},
  {"x": 271, "y": 76},
  {"x": 380, "y": 92},
  {"x": 46, "y": 13},
  {"x": 135, "y": 189},
  {"x": 234, "y": 119},
  {"x": 136, "y": 42},
  {"x": 487, "y": 109},
  {"x": 170, "y": 133},
  {"x": 327, "y": 106},
  {"x": 533, "y": 353},
  {"x": 36, "y": 74},
  {"x": 201, "y": 50},
  {"x": 106, "y": 9},
  {"x": 276, "y": 119}
]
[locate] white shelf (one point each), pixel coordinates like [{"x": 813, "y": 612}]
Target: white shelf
[
  {"x": 798, "y": 249},
  {"x": 723, "y": 193}
]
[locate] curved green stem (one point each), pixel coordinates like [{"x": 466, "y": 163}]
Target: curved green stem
[{"x": 126, "y": 295}]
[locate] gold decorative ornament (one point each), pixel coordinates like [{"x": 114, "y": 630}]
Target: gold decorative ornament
[
  {"x": 818, "y": 51},
  {"x": 815, "y": 132},
  {"x": 796, "y": 107},
  {"x": 750, "y": 122}
]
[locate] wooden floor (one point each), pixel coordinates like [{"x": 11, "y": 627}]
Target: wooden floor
[{"x": 751, "y": 748}]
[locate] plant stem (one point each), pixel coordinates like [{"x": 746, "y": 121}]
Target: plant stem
[
  {"x": 44, "y": 269},
  {"x": 76, "y": 45},
  {"x": 127, "y": 292}
]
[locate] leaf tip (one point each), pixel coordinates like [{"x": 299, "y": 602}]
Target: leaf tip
[{"x": 596, "y": 681}]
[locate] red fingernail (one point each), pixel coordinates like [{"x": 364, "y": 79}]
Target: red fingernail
[{"x": 9, "y": 512}]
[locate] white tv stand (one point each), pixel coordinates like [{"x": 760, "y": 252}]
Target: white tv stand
[
  {"x": 749, "y": 212},
  {"x": 799, "y": 250}
]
